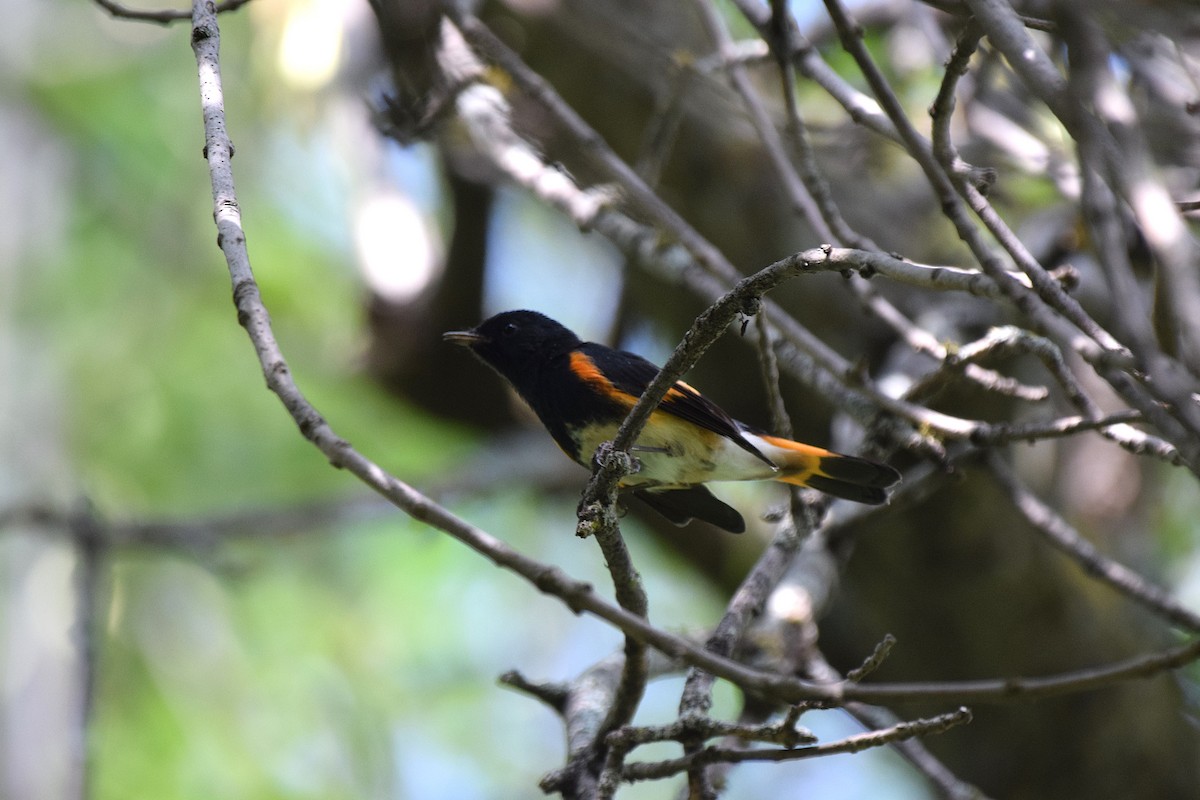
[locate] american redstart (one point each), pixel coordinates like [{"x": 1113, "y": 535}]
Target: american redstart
[{"x": 582, "y": 391}]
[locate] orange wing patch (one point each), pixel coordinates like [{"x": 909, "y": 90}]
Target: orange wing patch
[
  {"x": 681, "y": 390},
  {"x": 586, "y": 370}
]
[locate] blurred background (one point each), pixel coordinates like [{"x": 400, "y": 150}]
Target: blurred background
[{"x": 258, "y": 626}]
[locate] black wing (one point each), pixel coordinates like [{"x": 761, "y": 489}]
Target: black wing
[
  {"x": 630, "y": 373},
  {"x": 681, "y": 506}
]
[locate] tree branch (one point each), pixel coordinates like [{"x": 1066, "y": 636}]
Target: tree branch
[
  {"x": 851, "y": 744},
  {"x": 1066, "y": 539},
  {"x": 577, "y": 595},
  {"x": 166, "y": 17}
]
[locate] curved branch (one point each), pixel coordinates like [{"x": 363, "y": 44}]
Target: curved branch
[
  {"x": 1068, "y": 540},
  {"x": 162, "y": 17}
]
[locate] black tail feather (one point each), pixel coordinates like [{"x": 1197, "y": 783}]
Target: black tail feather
[
  {"x": 871, "y": 495},
  {"x": 861, "y": 471}
]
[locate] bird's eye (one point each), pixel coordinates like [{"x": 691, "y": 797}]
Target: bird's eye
[{"x": 509, "y": 329}]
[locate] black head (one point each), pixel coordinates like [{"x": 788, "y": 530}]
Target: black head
[{"x": 516, "y": 343}]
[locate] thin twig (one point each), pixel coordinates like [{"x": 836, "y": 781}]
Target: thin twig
[
  {"x": 784, "y": 733},
  {"x": 1058, "y": 532},
  {"x": 851, "y": 744},
  {"x": 953, "y": 365},
  {"x": 161, "y": 17},
  {"x": 860, "y": 107},
  {"x": 874, "y": 661},
  {"x": 797, "y": 191},
  {"x": 948, "y": 785},
  {"x": 552, "y": 694},
  {"x": 89, "y": 568},
  {"x": 768, "y": 362},
  {"x": 808, "y": 170}
]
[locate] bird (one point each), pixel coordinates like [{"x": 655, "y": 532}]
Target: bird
[{"x": 582, "y": 391}]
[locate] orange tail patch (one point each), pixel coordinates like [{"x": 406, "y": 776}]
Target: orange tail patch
[{"x": 848, "y": 477}]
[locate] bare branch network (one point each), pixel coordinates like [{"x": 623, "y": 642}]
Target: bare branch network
[{"x": 1131, "y": 379}]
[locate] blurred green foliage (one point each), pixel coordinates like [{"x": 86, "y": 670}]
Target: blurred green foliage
[
  {"x": 355, "y": 662},
  {"x": 344, "y": 663}
]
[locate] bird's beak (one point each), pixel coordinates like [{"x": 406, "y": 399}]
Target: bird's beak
[{"x": 464, "y": 338}]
